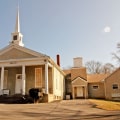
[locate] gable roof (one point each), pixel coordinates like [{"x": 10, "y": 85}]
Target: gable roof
[
  {"x": 79, "y": 78},
  {"x": 78, "y": 81},
  {"x": 117, "y": 70},
  {"x": 13, "y": 48},
  {"x": 8, "y": 50},
  {"x": 93, "y": 78}
]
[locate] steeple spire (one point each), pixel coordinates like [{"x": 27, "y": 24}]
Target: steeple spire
[
  {"x": 17, "y": 36},
  {"x": 17, "y": 26}
]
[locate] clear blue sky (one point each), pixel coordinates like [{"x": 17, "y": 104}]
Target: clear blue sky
[{"x": 71, "y": 28}]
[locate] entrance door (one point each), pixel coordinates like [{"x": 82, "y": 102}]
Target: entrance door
[
  {"x": 79, "y": 92},
  {"x": 18, "y": 86}
]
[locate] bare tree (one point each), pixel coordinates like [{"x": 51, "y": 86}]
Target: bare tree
[
  {"x": 108, "y": 68},
  {"x": 94, "y": 67},
  {"x": 116, "y": 55}
]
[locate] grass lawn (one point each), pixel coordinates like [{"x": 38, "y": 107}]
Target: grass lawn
[{"x": 106, "y": 105}]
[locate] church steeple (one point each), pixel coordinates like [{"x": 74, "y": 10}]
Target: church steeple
[
  {"x": 17, "y": 26},
  {"x": 17, "y": 36}
]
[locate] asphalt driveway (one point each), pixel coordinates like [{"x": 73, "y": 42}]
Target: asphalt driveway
[{"x": 62, "y": 110}]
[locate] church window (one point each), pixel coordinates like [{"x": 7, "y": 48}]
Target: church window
[
  {"x": 15, "y": 37},
  {"x": 38, "y": 77}
]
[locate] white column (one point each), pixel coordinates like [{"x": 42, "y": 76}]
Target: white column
[
  {"x": 73, "y": 92},
  {"x": 86, "y": 94},
  {"x": 46, "y": 78},
  {"x": 85, "y": 91},
  {"x": 2, "y": 78},
  {"x": 23, "y": 80}
]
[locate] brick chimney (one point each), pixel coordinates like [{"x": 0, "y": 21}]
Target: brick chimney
[
  {"x": 58, "y": 60},
  {"x": 77, "y": 62}
]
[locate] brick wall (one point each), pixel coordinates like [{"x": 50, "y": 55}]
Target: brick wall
[
  {"x": 110, "y": 93},
  {"x": 75, "y": 72}
]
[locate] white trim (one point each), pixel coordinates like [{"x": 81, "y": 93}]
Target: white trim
[
  {"x": 20, "y": 84},
  {"x": 46, "y": 78},
  {"x": 50, "y": 65},
  {"x": 2, "y": 78},
  {"x": 20, "y": 63},
  {"x": 79, "y": 78},
  {"x": 23, "y": 80},
  {"x": 26, "y": 50},
  {"x": 23, "y": 59}
]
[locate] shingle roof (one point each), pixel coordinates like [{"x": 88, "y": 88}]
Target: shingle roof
[
  {"x": 91, "y": 78},
  {"x": 67, "y": 71},
  {"x": 113, "y": 73}
]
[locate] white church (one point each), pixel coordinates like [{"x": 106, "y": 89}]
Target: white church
[{"x": 22, "y": 69}]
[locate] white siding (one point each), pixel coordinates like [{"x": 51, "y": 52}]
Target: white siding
[{"x": 58, "y": 83}]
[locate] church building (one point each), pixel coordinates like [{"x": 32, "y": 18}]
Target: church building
[{"x": 22, "y": 69}]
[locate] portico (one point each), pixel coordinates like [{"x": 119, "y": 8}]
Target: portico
[
  {"x": 79, "y": 88},
  {"x": 18, "y": 75}
]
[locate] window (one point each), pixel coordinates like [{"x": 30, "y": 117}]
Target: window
[
  {"x": 115, "y": 86},
  {"x": 5, "y": 79},
  {"x": 95, "y": 86},
  {"x": 38, "y": 77},
  {"x": 15, "y": 37}
]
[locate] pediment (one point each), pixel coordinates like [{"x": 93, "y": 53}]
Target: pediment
[
  {"x": 79, "y": 81},
  {"x": 17, "y": 52}
]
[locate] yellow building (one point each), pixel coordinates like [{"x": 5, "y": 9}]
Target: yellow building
[
  {"x": 79, "y": 84},
  {"x": 112, "y": 86},
  {"x": 76, "y": 80}
]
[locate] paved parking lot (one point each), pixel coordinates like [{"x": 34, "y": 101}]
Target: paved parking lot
[{"x": 62, "y": 110}]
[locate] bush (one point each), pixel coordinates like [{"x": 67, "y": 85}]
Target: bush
[{"x": 34, "y": 93}]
